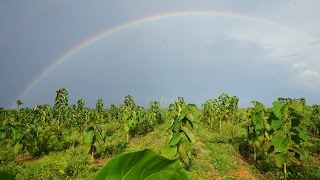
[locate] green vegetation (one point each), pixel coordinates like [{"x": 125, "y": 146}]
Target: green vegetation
[
  {"x": 181, "y": 135},
  {"x": 218, "y": 141},
  {"x": 141, "y": 165},
  {"x": 222, "y": 109},
  {"x": 278, "y": 134}
]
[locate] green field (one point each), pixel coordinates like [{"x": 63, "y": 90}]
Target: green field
[{"x": 215, "y": 141}]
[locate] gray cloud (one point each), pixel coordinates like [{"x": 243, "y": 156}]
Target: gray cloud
[{"x": 195, "y": 57}]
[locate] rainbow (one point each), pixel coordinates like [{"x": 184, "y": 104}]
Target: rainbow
[{"x": 111, "y": 30}]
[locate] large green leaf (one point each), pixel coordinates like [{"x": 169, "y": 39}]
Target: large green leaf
[
  {"x": 169, "y": 151},
  {"x": 258, "y": 106},
  {"x": 175, "y": 139},
  {"x": 280, "y": 159},
  {"x": 171, "y": 122},
  {"x": 187, "y": 145},
  {"x": 257, "y": 121},
  {"x": 280, "y": 143},
  {"x": 192, "y": 107},
  {"x": 183, "y": 154},
  {"x": 189, "y": 134},
  {"x": 191, "y": 117},
  {"x": 300, "y": 132},
  {"x": 99, "y": 138},
  {"x": 182, "y": 114},
  {"x": 141, "y": 165},
  {"x": 276, "y": 108},
  {"x": 89, "y": 137},
  {"x": 297, "y": 106},
  {"x": 299, "y": 114},
  {"x": 177, "y": 124},
  {"x": 276, "y": 124}
]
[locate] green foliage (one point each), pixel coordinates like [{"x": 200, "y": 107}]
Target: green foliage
[
  {"x": 99, "y": 105},
  {"x": 227, "y": 107},
  {"x": 183, "y": 122},
  {"x": 30, "y": 139},
  {"x": 209, "y": 112},
  {"x": 242, "y": 115},
  {"x": 258, "y": 130},
  {"x": 128, "y": 115},
  {"x": 138, "y": 120},
  {"x": 80, "y": 115},
  {"x": 115, "y": 143},
  {"x": 94, "y": 137},
  {"x": 80, "y": 105},
  {"x": 277, "y": 133},
  {"x": 155, "y": 114},
  {"x": 6, "y": 176},
  {"x": 76, "y": 163},
  {"x": 144, "y": 164},
  {"x": 113, "y": 113},
  {"x": 314, "y": 123},
  {"x": 222, "y": 109},
  {"x": 60, "y": 107},
  {"x": 9, "y": 169}
]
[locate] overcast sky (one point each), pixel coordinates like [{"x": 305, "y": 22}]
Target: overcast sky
[{"x": 256, "y": 50}]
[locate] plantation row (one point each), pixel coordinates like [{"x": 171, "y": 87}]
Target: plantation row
[
  {"x": 45, "y": 128},
  {"x": 278, "y": 134}
]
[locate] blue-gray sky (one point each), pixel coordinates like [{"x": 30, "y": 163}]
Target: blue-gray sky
[{"x": 271, "y": 50}]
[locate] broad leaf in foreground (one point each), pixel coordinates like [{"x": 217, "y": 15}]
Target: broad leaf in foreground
[{"x": 142, "y": 165}]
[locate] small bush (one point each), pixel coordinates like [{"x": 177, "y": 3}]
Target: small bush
[
  {"x": 116, "y": 143},
  {"x": 76, "y": 163}
]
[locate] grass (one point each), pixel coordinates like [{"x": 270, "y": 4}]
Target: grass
[
  {"x": 222, "y": 160},
  {"x": 70, "y": 163},
  {"x": 154, "y": 140},
  {"x": 216, "y": 153}
]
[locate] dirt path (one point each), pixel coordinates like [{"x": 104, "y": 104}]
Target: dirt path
[{"x": 243, "y": 172}]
